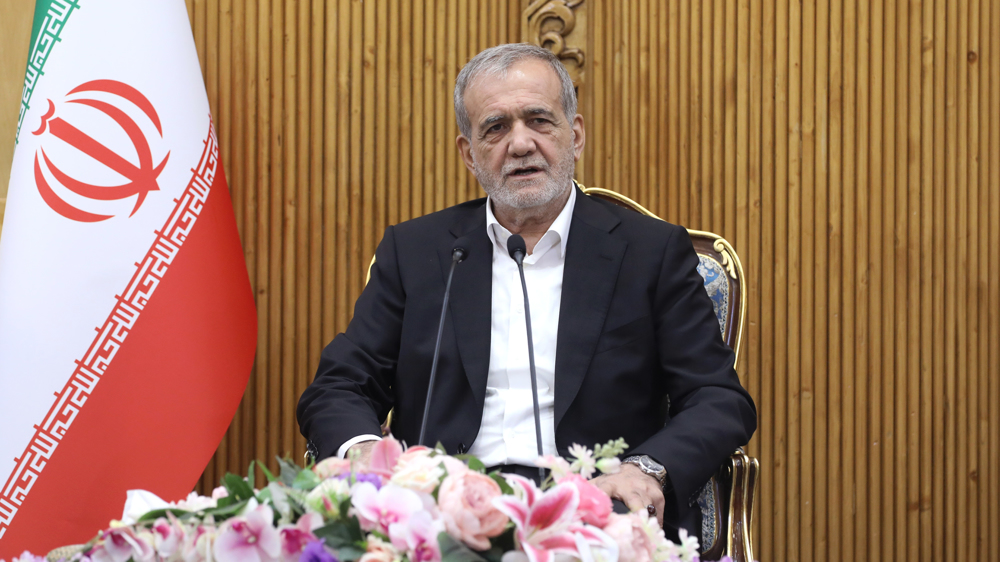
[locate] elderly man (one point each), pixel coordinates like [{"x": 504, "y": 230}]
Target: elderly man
[{"x": 620, "y": 319}]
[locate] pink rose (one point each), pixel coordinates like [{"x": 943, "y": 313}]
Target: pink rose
[
  {"x": 595, "y": 505},
  {"x": 332, "y": 466},
  {"x": 412, "y": 453},
  {"x": 379, "y": 551},
  {"x": 466, "y": 503},
  {"x": 632, "y": 533}
]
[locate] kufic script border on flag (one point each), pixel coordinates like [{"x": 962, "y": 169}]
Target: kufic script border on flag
[
  {"x": 149, "y": 272},
  {"x": 48, "y": 35}
]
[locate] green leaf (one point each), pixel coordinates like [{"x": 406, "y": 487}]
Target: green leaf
[
  {"x": 345, "y": 506},
  {"x": 157, "y": 513},
  {"x": 225, "y": 512},
  {"x": 340, "y": 533},
  {"x": 305, "y": 480},
  {"x": 237, "y": 487},
  {"x": 349, "y": 553},
  {"x": 504, "y": 486},
  {"x": 267, "y": 473},
  {"x": 472, "y": 462},
  {"x": 251, "y": 475},
  {"x": 289, "y": 471},
  {"x": 454, "y": 551}
]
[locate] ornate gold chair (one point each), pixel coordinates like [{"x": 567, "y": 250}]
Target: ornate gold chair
[{"x": 727, "y": 499}]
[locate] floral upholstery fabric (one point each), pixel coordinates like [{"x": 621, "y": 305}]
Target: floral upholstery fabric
[{"x": 717, "y": 286}]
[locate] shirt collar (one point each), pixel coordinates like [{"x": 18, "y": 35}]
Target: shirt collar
[{"x": 499, "y": 234}]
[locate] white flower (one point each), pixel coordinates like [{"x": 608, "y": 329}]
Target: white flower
[
  {"x": 419, "y": 473},
  {"x": 584, "y": 464},
  {"x": 609, "y": 466},
  {"x": 326, "y": 498},
  {"x": 194, "y": 502}
]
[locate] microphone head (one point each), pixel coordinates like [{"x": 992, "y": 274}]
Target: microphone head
[
  {"x": 515, "y": 245},
  {"x": 460, "y": 249}
]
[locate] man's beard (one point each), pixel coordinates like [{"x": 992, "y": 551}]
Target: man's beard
[{"x": 512, "y": 196}]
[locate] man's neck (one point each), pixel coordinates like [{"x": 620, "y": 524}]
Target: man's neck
[{"x": 531, "y": 223}]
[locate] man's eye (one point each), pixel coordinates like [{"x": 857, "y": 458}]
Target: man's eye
[{"x": 495, "y": 128}]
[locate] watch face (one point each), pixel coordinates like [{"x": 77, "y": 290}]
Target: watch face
[{"x": 653, "y": 465}]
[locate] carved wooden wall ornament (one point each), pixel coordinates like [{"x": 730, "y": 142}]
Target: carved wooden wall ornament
[{"x": 558, "y": 25}]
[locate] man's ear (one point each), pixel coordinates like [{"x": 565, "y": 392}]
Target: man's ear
[
  {"x": 579, "y": 136},
  {"x": 465, "y": 149}
]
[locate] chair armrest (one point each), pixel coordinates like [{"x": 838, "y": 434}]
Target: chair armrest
[{"x": 734, "y": 487}]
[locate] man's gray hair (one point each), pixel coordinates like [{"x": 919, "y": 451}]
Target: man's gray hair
[{"x": 495, "y": 62}]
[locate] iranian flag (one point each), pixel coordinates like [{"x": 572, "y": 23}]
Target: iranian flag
[{"x": 127, "y": 323}]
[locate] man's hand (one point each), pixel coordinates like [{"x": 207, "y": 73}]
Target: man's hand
[
  {"x": 363, "y": 451},
  {"x": 634, "y": 488}
]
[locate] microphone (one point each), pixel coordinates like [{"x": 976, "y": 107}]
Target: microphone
[
  {"x": 517, "y": 250},
  {"x": 459, "y": 252}
]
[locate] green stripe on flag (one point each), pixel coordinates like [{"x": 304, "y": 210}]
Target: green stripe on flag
[{"x": 50, "y": 19}]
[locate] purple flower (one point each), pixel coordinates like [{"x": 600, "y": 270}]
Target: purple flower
[
  {"x": 315, "y": 552},
  {"x": 374, "y": 479}
]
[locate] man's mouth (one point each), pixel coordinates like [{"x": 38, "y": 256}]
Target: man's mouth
[{"x": 524, "y": 171}]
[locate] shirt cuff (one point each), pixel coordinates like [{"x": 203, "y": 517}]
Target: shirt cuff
[{"x": 342, "y": 451}]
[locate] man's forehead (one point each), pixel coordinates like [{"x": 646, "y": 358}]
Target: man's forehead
[{"x": 527, "y": 85}]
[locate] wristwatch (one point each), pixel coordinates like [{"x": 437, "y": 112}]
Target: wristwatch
[{"x": 648, "y": 466}]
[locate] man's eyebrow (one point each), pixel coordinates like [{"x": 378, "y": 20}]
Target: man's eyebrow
[
  {"x": 492, "y": 120},
  {"x": 540, "y": 111}
]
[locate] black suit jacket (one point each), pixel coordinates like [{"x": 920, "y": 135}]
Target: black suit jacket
[{"x": 635, "y": 326}]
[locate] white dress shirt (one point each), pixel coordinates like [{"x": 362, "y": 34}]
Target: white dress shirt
[{"x": 507, "y": 432}]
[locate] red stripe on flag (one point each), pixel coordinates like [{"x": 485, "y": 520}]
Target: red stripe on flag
[{"x": 153, "y": 395}]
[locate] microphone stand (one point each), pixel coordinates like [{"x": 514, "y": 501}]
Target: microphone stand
[
  {"x": 458, "y": 253},
  {"x": 517, "y": 250}
]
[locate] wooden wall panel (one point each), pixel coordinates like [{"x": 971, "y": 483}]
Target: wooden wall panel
[
  {"x": 15, "y": 33},
  {"x": 850, "y": 150}
]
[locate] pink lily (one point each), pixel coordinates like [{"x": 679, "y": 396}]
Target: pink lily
[
  {"x": 385, "y": 453},
  {"x": 294, "y": 538},
  {"x": 250, "y": 538},
  {"x": 547, "y": 523},
  {"x": 379, "y": 508},
  {"x": 418, "y": 537},
  {"x": 119, "y": 545},
  {"x": 168, "y": 535}
]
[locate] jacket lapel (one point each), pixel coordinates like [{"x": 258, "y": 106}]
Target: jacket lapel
[
  {"x": 472, "y": 298},
  {"x": 593, "y": 259}
]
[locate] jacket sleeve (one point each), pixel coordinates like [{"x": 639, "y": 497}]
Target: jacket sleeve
[
  {"x": 351, "y": 393},
  {"x": 711, "y": 414}
]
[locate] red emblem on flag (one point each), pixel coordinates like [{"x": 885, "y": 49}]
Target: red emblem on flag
[{"x": 141, "y": 178}]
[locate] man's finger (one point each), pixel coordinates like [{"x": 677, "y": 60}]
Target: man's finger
[{"x": 660, "y": 504}]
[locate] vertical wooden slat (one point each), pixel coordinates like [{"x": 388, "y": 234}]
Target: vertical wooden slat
[
  {"x": 783, "y": 494},
  {"x": 862, "y": 343},
  {"x": 716, "y": 192},
  {"x": 837, "y": 118},
  {"x": 766, "y": 398},
  {"x": 821, "y": 224},
  {"x": 287, "y": 146},
  {"x": 914, "y": 302},
  {"x": 927, "y": 176},
  {"x": 849, "y": 338},
  {"x": 993, "y": 187}
]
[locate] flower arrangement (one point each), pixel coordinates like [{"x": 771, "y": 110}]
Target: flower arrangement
[{"x": 412, "y": 505}]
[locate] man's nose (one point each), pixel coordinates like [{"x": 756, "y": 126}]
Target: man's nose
[{"x": 522, "y": 141}]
